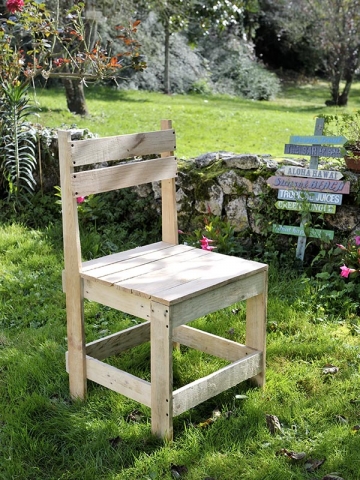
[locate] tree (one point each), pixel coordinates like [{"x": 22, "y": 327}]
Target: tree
[
  {"x": 63, "y": 44},
  {"x": 332, "y": 27}
]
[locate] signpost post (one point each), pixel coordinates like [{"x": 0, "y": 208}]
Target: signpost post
[{"x": 309, "y": 189}]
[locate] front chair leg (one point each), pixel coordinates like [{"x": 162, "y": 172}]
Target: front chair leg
[{"x": 161, "y": 372}]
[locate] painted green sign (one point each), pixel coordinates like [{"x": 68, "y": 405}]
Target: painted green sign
[
  {"x": 299, "y": 206},
  {"x": 318, "y": 140},
  {"x": 300, "y": 232}
]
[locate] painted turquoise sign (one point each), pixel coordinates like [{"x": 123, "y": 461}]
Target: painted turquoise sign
[
  {"x": 312, "y": 197},
  {"x": 318, "y": 140}
]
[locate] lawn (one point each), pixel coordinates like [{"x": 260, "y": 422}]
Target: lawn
[
  {"x": 203, "y": 123},
  {"x": 313, "y": 359}
]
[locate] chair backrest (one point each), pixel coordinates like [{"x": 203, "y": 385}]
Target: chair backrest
[{"x": 101, "y": 176}]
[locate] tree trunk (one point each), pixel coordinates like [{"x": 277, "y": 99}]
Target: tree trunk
[
  {"x": 75, "y": 96},
  {"x": 167, "y": 58}
]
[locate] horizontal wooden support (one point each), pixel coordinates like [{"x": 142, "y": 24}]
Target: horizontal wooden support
[
  {"x": 211, "y": 344},
  {"x": 221, "y": 297},
  {"x": 114, "y": 297},
  {"x": 207, "y": 387},
  {"x": 99, "y": 150},
  {"x": 119, "y": 341},
  {"x": 121, "y": 176},
  {"x": 119, "y": 381}
]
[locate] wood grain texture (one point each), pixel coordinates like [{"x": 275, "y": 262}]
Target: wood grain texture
[{"x": 102, "y": 150}]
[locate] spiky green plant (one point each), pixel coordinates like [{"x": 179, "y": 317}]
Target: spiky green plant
[{"x": 17, "y": 140}]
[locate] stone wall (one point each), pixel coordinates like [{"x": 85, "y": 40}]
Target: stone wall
[{"x": 235, "y": 187}]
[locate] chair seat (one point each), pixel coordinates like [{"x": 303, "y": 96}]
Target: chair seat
[{"x": 166, "y": 273}]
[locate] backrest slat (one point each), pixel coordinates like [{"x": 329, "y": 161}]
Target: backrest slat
[
  {"x": 100, "y": 150},
  {"x": 122, "y": 176}
]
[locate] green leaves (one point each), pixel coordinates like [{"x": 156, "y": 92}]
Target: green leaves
[{"x": 17, "y": 144}]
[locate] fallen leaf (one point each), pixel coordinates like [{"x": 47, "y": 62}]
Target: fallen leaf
[
  {"x": 313, "y": 464},
  {"x": 207, "y": 422},
  {"x": 330, "y": 370},
  {"x": 273, "y": 424},
  {"x": 332, "y": 476},
  {"x": 341, "y": 419},
  {"x": 134, "y": 416},
  {"x": 292, "y": 455},
  {"x": 356, "y": 428},
  {"x": 241, "y": 397},
  {"x": 235, "y": 311},
  {"x": 115, "y": 442},
  {"x": 177, "y": 471}
]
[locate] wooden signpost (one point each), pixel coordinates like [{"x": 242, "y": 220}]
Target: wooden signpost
[{"x": 310, "y": 189}]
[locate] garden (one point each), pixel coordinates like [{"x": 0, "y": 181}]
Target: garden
[{"x": 305, "y": 423}]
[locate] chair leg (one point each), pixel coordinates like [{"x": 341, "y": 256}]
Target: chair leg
[
  {"x": 76, "y": 357},
  {"x": 256, "y": 330},
  {"x": 161, "y": 372}
]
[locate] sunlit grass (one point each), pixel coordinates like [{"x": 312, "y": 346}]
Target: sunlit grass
[
  {"x": 203, "y": 123},
  {"x": 46, "y": 436}
]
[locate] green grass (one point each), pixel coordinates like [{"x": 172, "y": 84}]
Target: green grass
[
  {"x": 203, "y": 123},
  {"x": 46, "y": 436}
]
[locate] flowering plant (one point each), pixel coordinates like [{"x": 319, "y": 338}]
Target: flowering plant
[
  {"x": 351, "y": 256},
  {"x": 33, "y": 43}
]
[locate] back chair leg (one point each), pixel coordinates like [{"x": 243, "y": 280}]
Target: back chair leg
[
  {"x": 161, "y": 372},
  {"x": 256, "y": 330}
]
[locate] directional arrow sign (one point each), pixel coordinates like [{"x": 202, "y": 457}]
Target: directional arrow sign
[
  {"x": 312, "y": 197},
  {"x": 312, "y": 172},
  {"x": 318, "y": 140},
  {"x": 298, "y": 206},
  {"x": 332, "y": 186},
  {"x": 314, "y": 150},
  {"x": 299, "y": 231}
]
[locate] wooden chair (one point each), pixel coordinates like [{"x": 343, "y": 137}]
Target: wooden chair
[{"x": 165, "y": 284}]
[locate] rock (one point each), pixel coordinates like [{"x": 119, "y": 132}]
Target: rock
[
  {"x": 236, "y": 213},
  {"x": 243, "y": 162},
  {"x": 214, "y": 204},
  {"x": 232, "y": 183}
]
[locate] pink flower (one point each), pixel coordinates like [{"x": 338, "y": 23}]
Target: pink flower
[
  {"x": 80, "y": 199},
  {"x": 205, "y": 243},
  {"x": 357, "y": 240},
  {"x": 58, "y": 62},
  {"x": 15, "y": 5},
  {"x": 346, "y": 271},
  {"x": 340, "y": 246}
]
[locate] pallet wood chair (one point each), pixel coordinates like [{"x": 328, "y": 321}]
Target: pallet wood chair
[{"x": 165, "y": 284}]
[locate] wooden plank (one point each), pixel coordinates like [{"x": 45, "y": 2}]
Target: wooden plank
[
  {"x": 318, "y": 140},
  {"x": 100, "y": 150},
  {"x": 109, "y": 295},
  {"x": 313, "y": 150},
  {"x": 118, "y": 257},
  {"x": 312, "y": 207},
  {"x": 168, "y": 200},
  {"x": 119, "y": 381},
  {"x": 161, "y": 372},
  {"x": 312, "y": 172},
  {"x": 72, "y": 280},
  {"x": 211, "y": 344},
  {"x": 332, "y": 186},
  {"x": 119, "y": 342},
  {"x": 135, "y": 266},
  {"x": 122, "y": 176},
  {"x": 256, "y": 311},
  {"x": 313, "y": 197},
  {"x": 293, "y": 230},
  {"x": 215, "y": 299},
  {"x": 207, "y": 387},
  {"x": 194, "y": 277}
]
